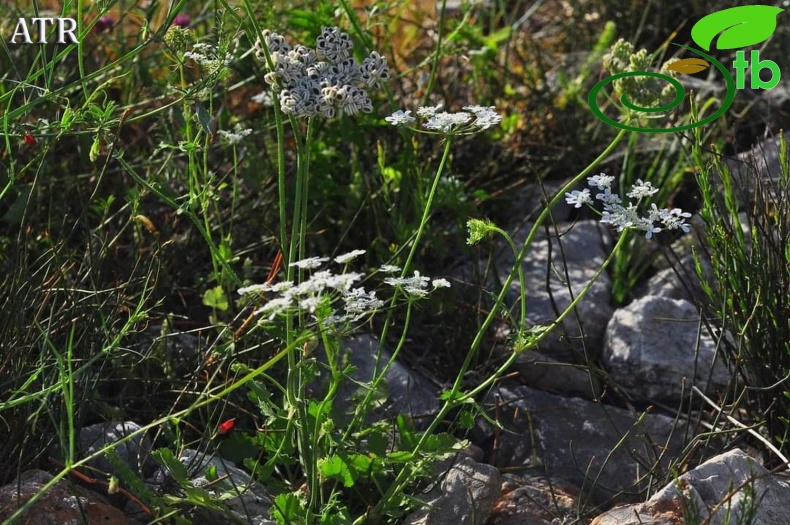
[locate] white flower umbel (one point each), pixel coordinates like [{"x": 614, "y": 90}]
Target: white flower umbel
[
  {"x": 400, "y": 117},
  {"x": 601, "y": 181},
  {"x": 427, "y": 111},
  {"x": 446, "y": 122},
  {"x": 232, "y": 138},
  {"x": 578, "y": 198},
  {"x": 333, "y": 300},
  {"x": 325, "y": 81},
  {"x": 358, "y": 302},
  {"x": 440, "y": 283},
  {"x": 485, "y": 117},
  {"x": 310, "y": 263},
  {"x": 348, "y": 257},
  {"x": 474, "y": 119},
  {"x": 642, "y": 189},
  {"x": 390, "y": 268},
  {"x": 209, "y": 57},
  {"x": 628, "y": 216},
  {"x": 416, "y": 287}
]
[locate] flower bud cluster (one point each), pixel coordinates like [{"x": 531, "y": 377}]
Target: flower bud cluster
[
  {"x": 628, "y": 216},
  {"x": 644, "y": 91},
  {"x": 325, "y": 81}
]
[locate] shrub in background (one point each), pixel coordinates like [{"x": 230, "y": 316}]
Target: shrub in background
[{"x": 747, "y": 218}]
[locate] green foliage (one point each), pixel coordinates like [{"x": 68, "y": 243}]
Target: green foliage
[{"x": 747, "y": 218}]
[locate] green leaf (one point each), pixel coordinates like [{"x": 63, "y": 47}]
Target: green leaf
[
  {"x": 439, "y": 443},
  {"x": 493, "y": 40},
  {"x": 201, "y": 497},
  {"x": 288, "y": 508},
  {"x": 361, "y": 463},
  {"x": 211, "y": 473},
  {"x": 466, "y": 419},
  {"x": 739, "y": 26},
  {"x": 174, "y": 467},
  {"x": 215, "y": 298},
  {"x": 400, "y": 456},
  {"x": 95, "y": 149},
  {"x": 335, "y": 467},
  {"x": 204, "y": 118}
]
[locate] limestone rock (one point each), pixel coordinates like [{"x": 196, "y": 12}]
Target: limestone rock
[
  {"x": 135, "y": 452},
  {"x": 407, "y": 392},
  {"x": 654, "y": 350},
  {"x": 599, "y": 448},
  {"x": 711, "y": 492},
  {"x": 534, "y": 500},
  {"x": 583, "y": 249},
  {"x": 465, "y": 496}
]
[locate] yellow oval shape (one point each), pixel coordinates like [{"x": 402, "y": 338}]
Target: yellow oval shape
[
  {"x": 145, "y": 221},
  {"x": 689, "y": 66}
]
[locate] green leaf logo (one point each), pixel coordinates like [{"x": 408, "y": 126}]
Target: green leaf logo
[{"x": 739, "y": 26}]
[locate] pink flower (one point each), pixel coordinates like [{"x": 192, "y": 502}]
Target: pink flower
[
  {"x": 103, "y": 24},
  {"x": 182, "y": 21}
]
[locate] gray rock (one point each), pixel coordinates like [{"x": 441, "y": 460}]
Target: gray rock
[
  {"x": 135, "y": 452},
  {"x": 576, "y": 440},
  {"x": 407, "y": 392},
  {"x": 654, "y": 350},
  {"x": 712, "y": 491},
  {"x": 667, "y": 283},
  {"x": 680, "y": 280},
  {"x": 63, "y": 503},
  {"x": 251, "y": 502},
  {"x": 544, "y": 373},
  {"x": 582, "y": 248},
  {"x": 465, "y": 496},
  {"x": 762, "y": 160}
]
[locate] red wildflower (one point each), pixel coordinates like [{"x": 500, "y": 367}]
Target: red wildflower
[
  {"x": 226, "y": 426},
  {"x": 30, "y": 140}
]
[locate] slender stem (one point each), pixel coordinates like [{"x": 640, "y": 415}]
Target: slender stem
[
  {"x": 520, "y": 256},
  {"x": 522, "y": 302},
  {"x": 454, "y": 397},
  {"x": 428, "y": 205},
  {"x": 565, "y": 313},
  {"x": 453, "y": 401},
  {"x": 305, "y": 180},
  {"x": 406, "y": 267},
  {"x": 438, "y": 54}
]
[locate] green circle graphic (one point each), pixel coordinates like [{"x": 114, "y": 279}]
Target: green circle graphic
[{"x": 680, "y": 94}]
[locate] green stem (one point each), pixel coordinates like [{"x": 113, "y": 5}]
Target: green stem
[
  {"x": 406, "y": 267},
  {"x": 454, "y": 397},
  {"x": 438, "y": 56}
]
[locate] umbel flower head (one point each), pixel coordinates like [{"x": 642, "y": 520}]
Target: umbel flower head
[
  {"x": 474, "y": 118},
  {"x": 622, "y": 217},
  {"x": 335, "y": 300},
  {"x": 325, "y": 81}
]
